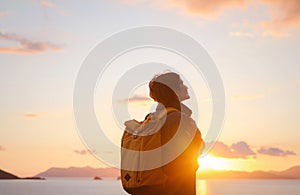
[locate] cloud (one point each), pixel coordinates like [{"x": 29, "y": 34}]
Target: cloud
[
  {"x": 25, "y": 46},
  {"x": 139, "y": 98},
  {"x": 281, "y": 13},
  {"x": 31, "y": 115},
  {"x": 46, "y": 3},
  {"x": 298, "y": 81},
  {"x": 211, "y": 8},
  {"x": 84, "y": 152},
  {"x": 136, "y": 99},
  {"x": 272, "y": 151},
  {"x": 56, "y": 7},
  {"x": 283, "y": 16},
  {"x": 2, "y": 148},
  {"x": 237, "y": 150},
  {"x": 280, "y": 17},
  {"x": 242, "y": 150},
  {"x": 284, "y": 13},
  {"x": 241, "y": 34}
]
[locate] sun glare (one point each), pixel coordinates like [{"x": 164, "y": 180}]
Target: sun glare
[{"x": 211, "y": 162}]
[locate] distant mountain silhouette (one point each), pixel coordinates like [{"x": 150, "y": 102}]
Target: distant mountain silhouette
[
  {"x": 6, "y": 175},
  {"x": 80, "y": 172},
  {"x": 291, "y": 173}
]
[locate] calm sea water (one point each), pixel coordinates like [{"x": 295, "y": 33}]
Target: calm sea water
[{"x": 113, "y": 187}]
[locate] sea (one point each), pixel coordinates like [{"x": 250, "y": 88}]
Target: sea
[{"x": 87, "y": 186}]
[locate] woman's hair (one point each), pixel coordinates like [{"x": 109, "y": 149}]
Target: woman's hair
[{"x": 162, "y": 89}]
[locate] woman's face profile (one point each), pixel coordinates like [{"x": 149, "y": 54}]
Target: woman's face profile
[{"x": 182, "y": 93}]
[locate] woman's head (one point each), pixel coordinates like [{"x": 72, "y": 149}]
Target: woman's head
[{"x": 168, "y": 89}]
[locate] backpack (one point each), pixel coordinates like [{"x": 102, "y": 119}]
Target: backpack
[{"x": 137, "y": 138}]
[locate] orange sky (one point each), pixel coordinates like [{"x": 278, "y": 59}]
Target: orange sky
[{"x": 255, "y": 45}]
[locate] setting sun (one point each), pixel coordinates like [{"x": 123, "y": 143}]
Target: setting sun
[{"x": 211, "y": 162}]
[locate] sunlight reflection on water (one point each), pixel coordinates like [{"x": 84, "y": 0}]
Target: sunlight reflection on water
[{"x": 201, "y": 187}]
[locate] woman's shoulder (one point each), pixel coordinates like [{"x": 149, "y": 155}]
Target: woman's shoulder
[{"x": 177, "y": 116}]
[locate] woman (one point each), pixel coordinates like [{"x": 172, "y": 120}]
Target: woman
[
  {"x": 176, "y": 134},
  {"x": 168, "y": 90}
]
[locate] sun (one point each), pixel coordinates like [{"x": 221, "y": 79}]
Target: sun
[{"x": 215, "y": 163}]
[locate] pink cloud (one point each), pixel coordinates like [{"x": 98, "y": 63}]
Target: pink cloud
[
  {"x": 25, "y": 46},
  {"x": 211, "y": 8},
  {"x": 237, "y": 150},
  {"x": 84, "y": 152},
  {"x": 136, "y": 98},
  {"x": 139, "y": 98},
  {"x": 284, "y": 13},
  {"x": 31, "y": 115},
  {"x": 273, "y": 151},
  {"x": 58, "y": 9},
  {"x": 2, "y": 148},
  {"x": 243, "y": 150},
  {"x": 46, "y": 3}
]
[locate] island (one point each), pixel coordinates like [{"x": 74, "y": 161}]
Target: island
[
  {"x": 97, "y": 178},
  {"x": 7, "y": 175}
]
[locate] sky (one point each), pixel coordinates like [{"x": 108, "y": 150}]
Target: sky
[{"x": 255, "y": 45}]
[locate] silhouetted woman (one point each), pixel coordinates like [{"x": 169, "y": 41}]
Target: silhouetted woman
[
  {"x": 177, "y": 173},
  {"x": 168, "y": 90}
]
